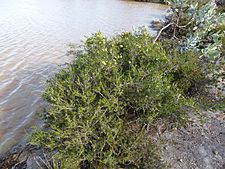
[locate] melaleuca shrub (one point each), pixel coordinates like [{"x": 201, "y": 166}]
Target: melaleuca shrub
[{"x": 102, "y": 101}]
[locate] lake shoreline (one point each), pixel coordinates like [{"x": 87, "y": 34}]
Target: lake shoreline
[
  {"x": 14, "y": 157},
  {"x": 207, "y": 155},
  {"x": 35, "y": 38}
]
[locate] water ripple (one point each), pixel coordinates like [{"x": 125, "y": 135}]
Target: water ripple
[{"x": 33, "y": 39}]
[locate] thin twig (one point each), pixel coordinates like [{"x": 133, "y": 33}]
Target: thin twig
[
  {"x": 168, "y": 25},
  {"x": 17, "y": 164},
  {"x": 175, "y": 28},
  {"x": 165, "y": 27}
]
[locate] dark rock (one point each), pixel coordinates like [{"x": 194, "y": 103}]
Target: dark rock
[{"x": 25, "y": 157}]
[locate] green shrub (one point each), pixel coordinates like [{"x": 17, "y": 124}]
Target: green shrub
[{"x": 102, "y": 102}]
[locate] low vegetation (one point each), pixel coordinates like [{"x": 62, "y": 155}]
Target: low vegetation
[
  {"x": 198, "y": 26},
  {"x": 104, "y": 102}
]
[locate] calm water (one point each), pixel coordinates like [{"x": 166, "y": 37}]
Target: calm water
[{"x": 34, "y": 35}]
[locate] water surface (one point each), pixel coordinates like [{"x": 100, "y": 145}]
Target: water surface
[{"x": 33, "y": 40}]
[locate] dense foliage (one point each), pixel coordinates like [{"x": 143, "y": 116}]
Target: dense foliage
[
  {"x": 102, "y": 102},
  {"x": 197, "y": 24}
]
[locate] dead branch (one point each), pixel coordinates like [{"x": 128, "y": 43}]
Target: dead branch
[
  {"x": 168, "y": 25},
  {"x": 165, "y": 27}
]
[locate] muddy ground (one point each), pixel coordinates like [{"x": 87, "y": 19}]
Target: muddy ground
[{"x": 196, "y": 146}]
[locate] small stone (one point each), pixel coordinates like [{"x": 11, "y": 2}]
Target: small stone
[
  {"x": 180, "y": 160},
  {"x": 165, "y": 147},
  {"x": 215, "y": 152}
]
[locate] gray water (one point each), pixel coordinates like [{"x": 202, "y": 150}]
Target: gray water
[{"x": 34, "y": 35}]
